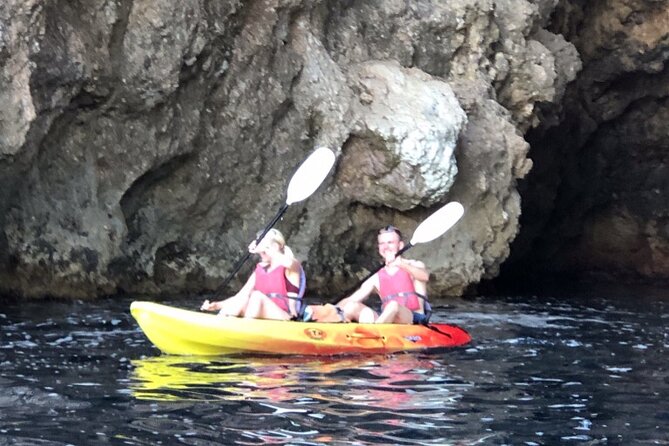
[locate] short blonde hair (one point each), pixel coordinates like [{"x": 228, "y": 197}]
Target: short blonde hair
[
  {"x": 277, "y": 236},
  {"x": 273, "y": 235}
]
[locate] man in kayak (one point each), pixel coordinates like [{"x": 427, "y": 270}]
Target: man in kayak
[
  {"x": 401, "y": 285},
  {"x": 274, "y": 290}
]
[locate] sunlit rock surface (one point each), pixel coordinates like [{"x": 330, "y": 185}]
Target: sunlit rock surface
[{"x": 402, "y": 145}]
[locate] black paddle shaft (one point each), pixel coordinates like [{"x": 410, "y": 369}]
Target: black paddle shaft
[
  {"x": 243, "y": 260},
  {"x": 352, "y": 289}
]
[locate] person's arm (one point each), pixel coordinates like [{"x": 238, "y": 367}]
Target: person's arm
[
  {"x": 292, "y": 307},
  {"x": 416, "y": 268},
  {"x": 248, "y": 286},
  {"x": 366, "y": 289},
  {"x": 284, "y": 259},
  {"x": 244, "y": 291},
  {"x": 291, "y": 263},
  {"x": 420, "y": 275},
  {"x": 293, "y": 271}
]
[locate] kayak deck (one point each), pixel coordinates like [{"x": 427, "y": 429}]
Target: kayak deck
[{"x": 184, "y": 332}]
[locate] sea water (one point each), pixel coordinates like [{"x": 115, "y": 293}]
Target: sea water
[{"x": 587, "y": 369}]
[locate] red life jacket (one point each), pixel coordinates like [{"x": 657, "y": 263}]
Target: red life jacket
[
  {"x": 398, "y": 287},
  {"x": 275, "y": 285}
]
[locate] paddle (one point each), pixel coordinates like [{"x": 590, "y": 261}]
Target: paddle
[
  {"x": 432, "y": 227},
  {"x": 304, "y": 182}
]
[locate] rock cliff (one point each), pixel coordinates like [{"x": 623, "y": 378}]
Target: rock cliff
[
  {"x": 143, "y": 143},
  {"x": 596, "y": 206}
]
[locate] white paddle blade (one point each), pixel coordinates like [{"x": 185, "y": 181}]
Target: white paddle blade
[
  {"x": 310, "y": 175},
  {"x": 438, "y": 223}
]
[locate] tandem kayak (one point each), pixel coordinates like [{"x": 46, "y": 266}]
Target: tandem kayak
[{"x": 183, "y": 332}]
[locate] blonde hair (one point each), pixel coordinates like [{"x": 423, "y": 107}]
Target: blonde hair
[{"x": 274, "y": 235}]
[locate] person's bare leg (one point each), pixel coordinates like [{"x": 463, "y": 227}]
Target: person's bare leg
[
  {"x": 395, "y": 313},
  {"x": 388, "y": 314},
  {"x": 262, "y": 307},
  {"x": 353, "y": 310},
  {"x": 404, "y": 316},
  {"x": 270, "y": 310},
  {"x": 253, "y": 306},
  {"x": 367, "y": 316},
  {"x": 233, "y": 306}
]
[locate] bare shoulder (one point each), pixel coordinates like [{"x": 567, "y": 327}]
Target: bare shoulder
[
  {"x": 415, "y": 263},
  {"x": 295, "y": 267}
]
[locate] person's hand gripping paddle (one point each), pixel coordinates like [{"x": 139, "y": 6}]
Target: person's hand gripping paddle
[
  {"x": 432, "y": 227},
  {"x": 305, "y": 181}
]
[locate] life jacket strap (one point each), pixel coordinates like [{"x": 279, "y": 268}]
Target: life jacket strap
[{"x": 403, "y": 294}]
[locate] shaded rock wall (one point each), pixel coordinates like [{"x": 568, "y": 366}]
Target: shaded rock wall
[
  {"x": 143, "y": 143},
  {"x": 596, "y": 206}
]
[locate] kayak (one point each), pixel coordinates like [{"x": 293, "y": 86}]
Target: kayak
[{"x": 178, "y": 331}]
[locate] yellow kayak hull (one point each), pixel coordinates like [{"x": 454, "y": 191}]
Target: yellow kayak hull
[{"x": 183, "y": 332}]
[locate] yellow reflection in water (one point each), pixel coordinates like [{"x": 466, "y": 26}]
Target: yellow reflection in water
[{"x": 381, "y": 380}]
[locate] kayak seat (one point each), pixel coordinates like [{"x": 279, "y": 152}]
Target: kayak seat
[{"x": 298, "y": 297}]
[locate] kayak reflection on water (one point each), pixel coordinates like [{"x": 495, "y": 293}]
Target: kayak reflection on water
[{"x": 391, "y": 382}]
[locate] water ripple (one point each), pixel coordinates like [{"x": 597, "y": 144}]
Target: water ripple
[{"x": 539, "y": 371}]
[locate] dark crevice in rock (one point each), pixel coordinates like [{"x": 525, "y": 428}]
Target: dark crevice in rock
[
  {"x": 588, "y": 207},
  {"x": 593, "y": 204},
  {"x": 138, "y": 194},
  {"x": 117, "y": 35}
]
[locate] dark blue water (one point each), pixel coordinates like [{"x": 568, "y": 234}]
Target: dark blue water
[{"x": 541, "y": 371}]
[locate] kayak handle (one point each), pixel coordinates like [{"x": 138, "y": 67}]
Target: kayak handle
[{"x": 365, "y": 336}]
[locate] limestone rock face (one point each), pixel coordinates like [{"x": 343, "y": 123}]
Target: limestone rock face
[
  {"x": 143, "y": 144},
  {"x": 402, "y": 145}
]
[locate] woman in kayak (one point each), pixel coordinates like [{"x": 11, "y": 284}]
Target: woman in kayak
[
  {"x": 275, "y": 288},
  {"x": 401, "y": 284}
]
